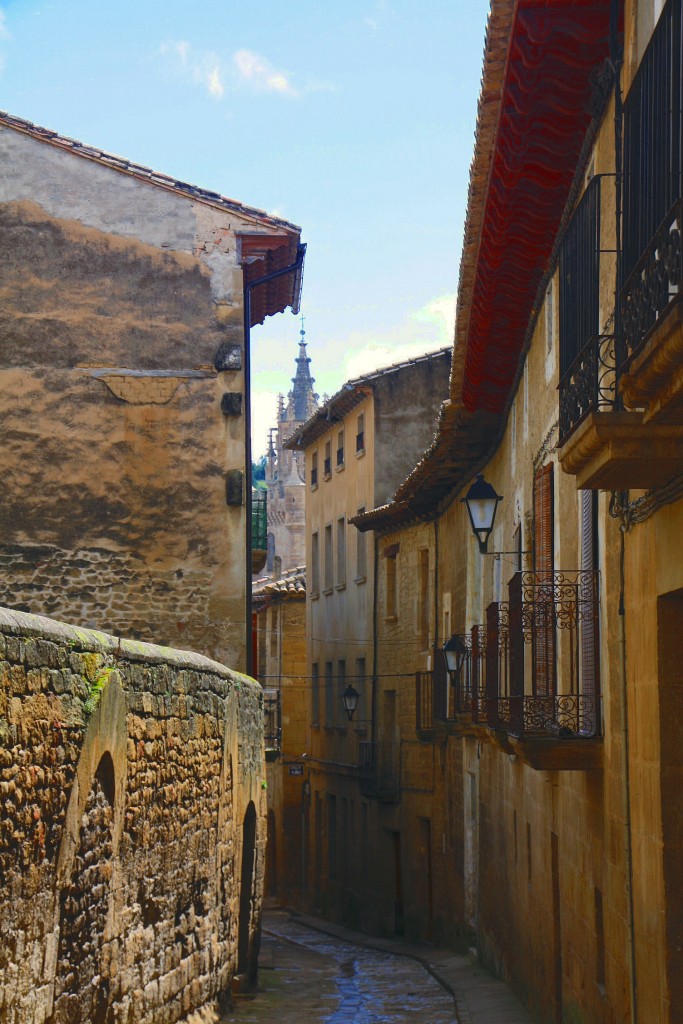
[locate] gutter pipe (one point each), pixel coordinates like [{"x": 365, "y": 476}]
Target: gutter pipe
[{"x": 298, "y": 265}]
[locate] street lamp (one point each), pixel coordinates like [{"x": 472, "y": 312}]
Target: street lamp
[
  {"x": 455, "y": 651},
  {"x": 350, "y": 698},
  {"x": 482, "y": 503}
]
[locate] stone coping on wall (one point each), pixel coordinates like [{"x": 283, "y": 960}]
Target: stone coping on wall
[{"x": 25, "y": 624}]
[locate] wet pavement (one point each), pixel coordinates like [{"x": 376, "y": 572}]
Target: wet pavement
[{"x": 308, "y": 977}]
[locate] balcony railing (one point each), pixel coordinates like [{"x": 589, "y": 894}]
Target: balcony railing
[
  {"x": 653, "y": 129},
  {"x": 587, "y": 357},
  {"x": 589, "y": 384},
  {"x": 655, "y": 285},
  {"x": 424, "y": 701},
  {"x": 272, "y": 720},
  {"x": 378, "y": 761},
  {"x": 547, "y": 634}
]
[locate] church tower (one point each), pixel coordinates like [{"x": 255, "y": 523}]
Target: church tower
[{"x": 285, "y": 471}]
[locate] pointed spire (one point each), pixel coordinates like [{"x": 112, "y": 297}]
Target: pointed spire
[{"x": 302, "y": 392}]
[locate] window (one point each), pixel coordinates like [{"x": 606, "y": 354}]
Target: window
[
  {"x": 390, "y": 554},
  {"x": 341, "y": 552},
  {"x": 340, "y": 448},
  {"x": 328, "y": 459},
  {"x": 550, "y": 317},
  {"x": 360, "y": 434},
  {"x": 423, "y": 599},
  {"x": 315, "y": 563},
  {"x": 329, "y": 694},
  {"x": 315, "y": 694},
  {"x": 329, "y": 568},
  {"x": 361, "y": 552},
  {"x": 273, "y": 631},
  {"x": 314, "y": 469},
  {"x": 341, "y": 686}
]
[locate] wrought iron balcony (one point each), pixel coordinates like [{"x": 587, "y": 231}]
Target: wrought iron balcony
[
  {"x": 379, "y": 765},
  {"x": 272, "y": 723},
  {"x": 589, "y": 384},
  {"x": 654, "y": 286},
  {"x": 545, "y": 637}
]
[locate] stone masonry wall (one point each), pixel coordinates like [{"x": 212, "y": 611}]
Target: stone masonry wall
[{"x": 126, "y": 773}]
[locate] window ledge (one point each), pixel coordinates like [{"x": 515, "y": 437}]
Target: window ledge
[
  {"x": 340, "y": 586},
  {"x": 360, "y": 579},
  {"x": 339, "y": 468},
  {"x": 314, "y": 487},
  {"x": 360, "y": 454},
  {"x": 327, "y": 476},
  {"x": 391, "y": 618},
  {"x": 315, "y": 597},
  {"x": 327, "y": 591}
]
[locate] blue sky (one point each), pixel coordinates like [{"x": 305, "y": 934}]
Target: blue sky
[{"x": 352, "y": 118}]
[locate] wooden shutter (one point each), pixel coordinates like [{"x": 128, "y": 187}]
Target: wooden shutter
[{"x": 543, "y": 635}]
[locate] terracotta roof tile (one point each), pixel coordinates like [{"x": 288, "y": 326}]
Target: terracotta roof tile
[{"x": 157, "y": 178}]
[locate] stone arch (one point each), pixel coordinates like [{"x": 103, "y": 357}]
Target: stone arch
[
  {"x": 82, "y": 989},
  {"x": 246, "y": 940},
  {"x": 87, "y": 868}
]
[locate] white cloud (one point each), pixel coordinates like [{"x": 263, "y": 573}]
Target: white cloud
[
  {"x": 258, "y": 72},
  {"x": 202, "y": 69},
  {"x": 423, "y": 330},
  {"x": 263, "y": 417}
]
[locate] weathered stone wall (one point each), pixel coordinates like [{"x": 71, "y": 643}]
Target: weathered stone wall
[{"x": 126, "y": 774}]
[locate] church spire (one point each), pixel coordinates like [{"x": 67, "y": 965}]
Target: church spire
[{"x": 302, "y": 392}]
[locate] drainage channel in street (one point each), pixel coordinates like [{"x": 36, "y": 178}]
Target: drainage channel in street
[{"x": 306, "y": 976}]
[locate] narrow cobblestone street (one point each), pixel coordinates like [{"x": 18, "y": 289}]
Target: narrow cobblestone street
[{"x": 307, "y": 976}]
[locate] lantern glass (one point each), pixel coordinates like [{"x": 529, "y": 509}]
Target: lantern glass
[
  {"x": 455, "y": 651},
  {"x": 482, "y": 503},
  {"x": 350, "y": 698}
]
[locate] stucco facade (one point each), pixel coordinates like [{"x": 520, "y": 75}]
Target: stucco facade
[
  {"x": 358, "y": 446},
  {"x": 122, "y": 373}
]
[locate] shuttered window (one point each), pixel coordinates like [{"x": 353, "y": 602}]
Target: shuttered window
[{"x": 544, "y": 645}]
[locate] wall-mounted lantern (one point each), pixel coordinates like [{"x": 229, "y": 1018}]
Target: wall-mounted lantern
[
  {"x": 482, "y": 503},
  {"x": 350, "y": 698},
  {"x": 455, "y": 651}
]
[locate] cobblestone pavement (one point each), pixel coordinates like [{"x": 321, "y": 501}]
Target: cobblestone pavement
[{"x": 306, "y": 977}]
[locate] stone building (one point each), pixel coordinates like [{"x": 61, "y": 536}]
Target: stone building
[
  {"x": 359, "y": 445},
  {"x": 124, "y": 393},
  {"x": 280, "y": 615},
  {"x": 528, "y": 803},
  {"x": 285, "y": 472}
]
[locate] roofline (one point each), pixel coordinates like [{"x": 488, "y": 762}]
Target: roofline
[
  {"x": 142, "y": 173},
  {"x": 322, "y": 419}
]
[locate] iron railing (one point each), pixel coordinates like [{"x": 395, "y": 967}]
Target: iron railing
[
  {"x": 259, "y": 520},
  {"x": 653, "y": 171},
  {"x": 378, "y": 761},
  {"x": 587, "y": 357},
  {"x": 655, "y": 284},
  {"x": 589, "y": 383},
  {"x": 272, "y": 719},
  {"x": 547, "y": 632}
]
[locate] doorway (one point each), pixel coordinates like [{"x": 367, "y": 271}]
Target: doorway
[{"x": 245, "y": 963}]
